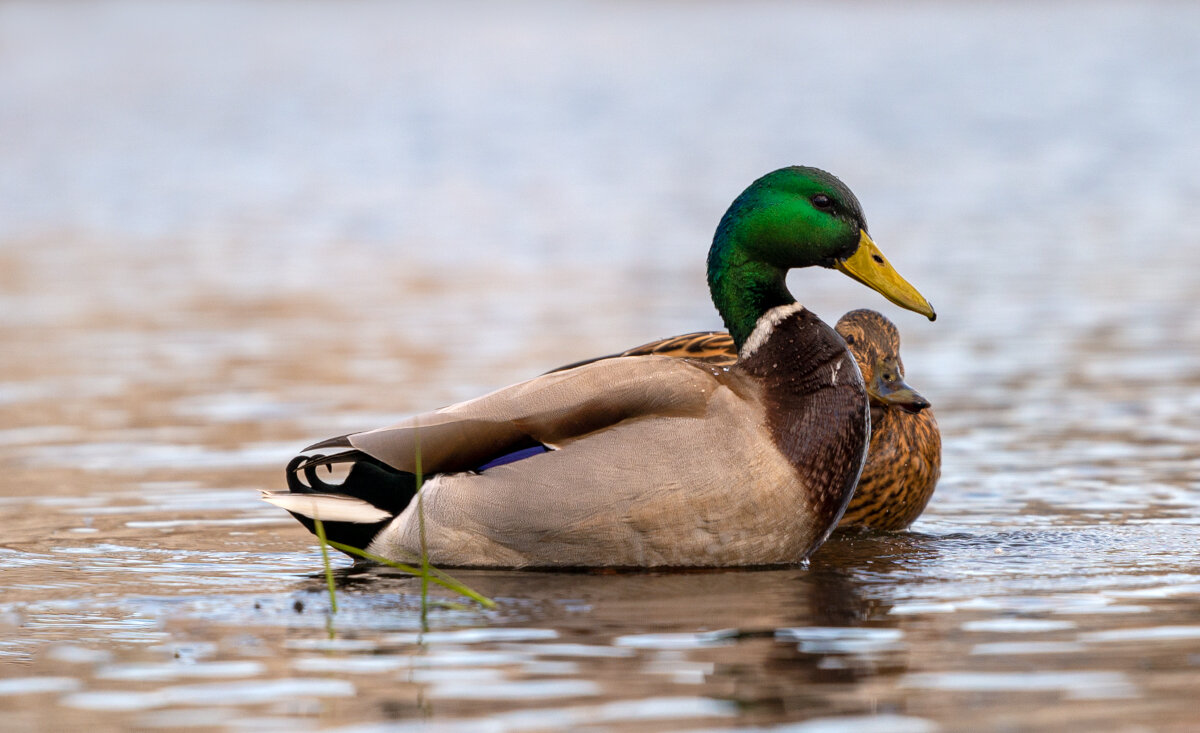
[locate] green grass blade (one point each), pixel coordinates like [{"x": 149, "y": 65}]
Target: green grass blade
[
  {"x": 421, "y": 528},
  {"x": 434, "y": 575},
  {"x": 320, "y": 527}
]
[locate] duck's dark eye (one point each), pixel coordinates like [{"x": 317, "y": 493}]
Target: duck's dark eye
[
  {"x": 850, "y": 340},
  {"x": 822, "y": 202}
]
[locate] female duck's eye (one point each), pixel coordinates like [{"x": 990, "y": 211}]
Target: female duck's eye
[
  {"x": 822, "y": 202},
  {"x": 850, "y": 340}
]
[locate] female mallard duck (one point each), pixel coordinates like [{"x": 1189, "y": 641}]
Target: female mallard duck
[
  {"x": 646, "y": 461},
  {"x": 905, "y": 455},
  {"x": 904, "y": 460}
]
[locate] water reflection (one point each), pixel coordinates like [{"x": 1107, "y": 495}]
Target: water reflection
[{"x": 767, "y": 639}]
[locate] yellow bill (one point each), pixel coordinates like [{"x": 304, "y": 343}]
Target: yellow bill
[{"x": 868, "y": 266}]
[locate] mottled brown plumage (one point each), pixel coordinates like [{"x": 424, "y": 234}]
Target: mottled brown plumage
[
  {"x": 905, "y": 456},
  {"x": 904, "y": 460}
]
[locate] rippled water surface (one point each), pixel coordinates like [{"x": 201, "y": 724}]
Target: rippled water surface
[{"x": 230, "y": 229}]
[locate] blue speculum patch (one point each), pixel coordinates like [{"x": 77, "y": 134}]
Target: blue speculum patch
[{"x": 513, "y": 457}]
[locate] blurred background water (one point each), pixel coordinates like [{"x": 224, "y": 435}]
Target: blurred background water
[{"x": 228, "y": 229}]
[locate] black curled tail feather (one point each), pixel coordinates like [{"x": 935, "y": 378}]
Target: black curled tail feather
[{"x": 369, "y": 480}]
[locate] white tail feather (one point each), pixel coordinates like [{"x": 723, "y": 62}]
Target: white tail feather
[{"x": 327, "y": 507}]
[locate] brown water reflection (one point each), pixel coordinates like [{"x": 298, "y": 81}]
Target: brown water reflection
[{"x": 284, "y": 230}]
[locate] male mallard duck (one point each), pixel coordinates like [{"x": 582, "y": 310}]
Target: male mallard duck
[
  {"x": 644, "y": 461},
  {"x": 905, "y": 454}
]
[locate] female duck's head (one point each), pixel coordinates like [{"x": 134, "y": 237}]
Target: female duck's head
[
  {"x": 794, "y": 217},
  {"x": 875, "y": 343}
]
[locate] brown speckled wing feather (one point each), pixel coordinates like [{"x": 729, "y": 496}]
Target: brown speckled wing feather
[
  {"x": 713, "y": 347},
  {"x": 710, "y": 347}
]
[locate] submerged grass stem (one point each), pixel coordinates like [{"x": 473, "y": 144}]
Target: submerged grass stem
[
  {"x": 320, "y": 527},
  {"x": 434, "y": 575},
  {"x": 421, "y": 527}
]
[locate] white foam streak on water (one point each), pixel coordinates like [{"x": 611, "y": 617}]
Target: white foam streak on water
[
  {"x": 676, "y": 641},
  {"x": 1017, "y": 625},
  {"x": 472, "y": 636},
  {"x": 221, "y": 693},
  {"x": 172, "y": 671},
  {"x": 1077, "y": 685},
  {"x": 627, "y": 712},
  {"x": 1160, "y": 633},
  {"x": 467, "y": 689},
  {"x": 864, "y": 724},
  {"x": 38, "y": 685},
  {"x": 1018, "y": 648}
]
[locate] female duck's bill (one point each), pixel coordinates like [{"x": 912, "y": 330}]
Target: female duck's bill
[{"x": 643, "y": 461}]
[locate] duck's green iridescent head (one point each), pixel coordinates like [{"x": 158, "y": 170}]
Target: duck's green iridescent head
[{"x": 794, "y": 217}]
